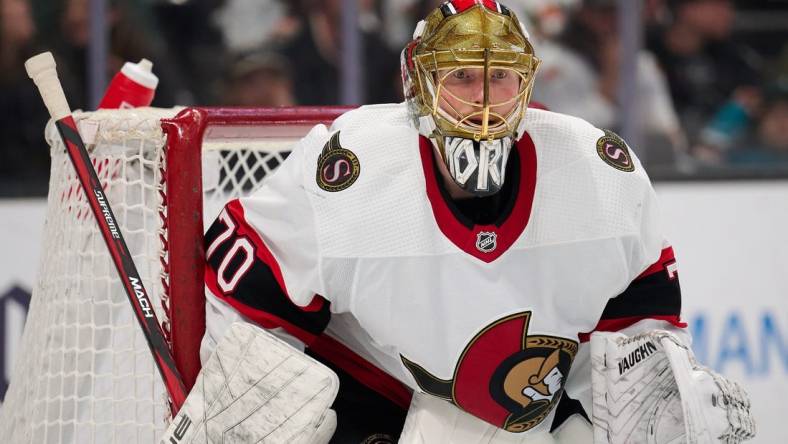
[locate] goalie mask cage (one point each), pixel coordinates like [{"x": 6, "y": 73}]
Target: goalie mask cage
[{"x": 84, "y": 373}]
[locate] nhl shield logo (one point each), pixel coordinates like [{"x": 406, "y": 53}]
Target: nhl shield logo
[{"x": 486, "y": 241}]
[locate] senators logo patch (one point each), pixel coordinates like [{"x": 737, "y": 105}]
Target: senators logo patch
[
  {"x": 614, "y": 151},
  {"x": 504, "y": 376},
  {"x": 337, "y": 167}
]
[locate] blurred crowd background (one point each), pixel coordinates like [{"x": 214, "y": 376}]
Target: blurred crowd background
[{"x": 711, "y": 77}]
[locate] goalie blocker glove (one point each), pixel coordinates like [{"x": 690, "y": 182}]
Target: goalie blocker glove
[
  {"x": 257, "y": 389},
  {"x": 649, "y": 388}
]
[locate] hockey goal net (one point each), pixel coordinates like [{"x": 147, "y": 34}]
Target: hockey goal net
[{"x": 85, "y": 374}]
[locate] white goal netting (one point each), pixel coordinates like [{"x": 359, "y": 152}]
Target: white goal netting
[{"x": 85, "y": 374}]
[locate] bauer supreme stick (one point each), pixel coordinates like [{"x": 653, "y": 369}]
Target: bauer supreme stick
[{"x": 41, "y": 69}]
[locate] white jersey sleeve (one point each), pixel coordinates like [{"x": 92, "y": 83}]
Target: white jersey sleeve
[
  {"x": 262, "y": 255},
  {"x": 651, "y": 240},
  {"x": 280, "y": 211},
  {"x": 649, "y": 295}
]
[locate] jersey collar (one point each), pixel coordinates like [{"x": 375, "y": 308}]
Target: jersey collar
[{"x": 484, "y": 242}]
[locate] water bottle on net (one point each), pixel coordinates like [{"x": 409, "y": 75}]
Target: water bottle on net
[{"x": 132, "y": 87}]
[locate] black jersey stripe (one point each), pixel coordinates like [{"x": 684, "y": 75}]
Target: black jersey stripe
[
  {"x": 260, "y": 290},
  {"x": 652, "y": 296},
  {"x": 655, "y": 294}
]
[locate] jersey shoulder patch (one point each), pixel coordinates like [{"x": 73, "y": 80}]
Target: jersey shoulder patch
[
  {"x": 337, "y": 167},
  {"x": 614, "y": 151}
]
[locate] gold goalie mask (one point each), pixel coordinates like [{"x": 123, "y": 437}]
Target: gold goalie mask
[{"x": 468, "y": 75}]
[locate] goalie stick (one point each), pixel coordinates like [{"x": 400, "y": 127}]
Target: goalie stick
[{"x": 41, "y": 69}]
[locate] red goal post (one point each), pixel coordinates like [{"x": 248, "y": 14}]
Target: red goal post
[
  {"x": 185, "y": 133},
  {"x": 84, "y": 373}
]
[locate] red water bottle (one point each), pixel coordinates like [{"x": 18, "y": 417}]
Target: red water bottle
[{"x": 133, "y": 87}]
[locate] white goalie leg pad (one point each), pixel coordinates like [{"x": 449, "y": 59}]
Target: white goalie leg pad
[
  {"x": 256, "y": 388},
  {"x": 650, "y": 389}
]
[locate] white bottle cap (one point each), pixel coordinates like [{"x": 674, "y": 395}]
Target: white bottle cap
[
  {"x": 145, "y": 65},
  {"x": 141, "y": 73}
]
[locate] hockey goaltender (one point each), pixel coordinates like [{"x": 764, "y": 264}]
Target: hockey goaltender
[{"x": 457, "y": 268}]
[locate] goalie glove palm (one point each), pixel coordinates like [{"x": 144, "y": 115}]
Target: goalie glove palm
[{"x": 650, "y": 389}]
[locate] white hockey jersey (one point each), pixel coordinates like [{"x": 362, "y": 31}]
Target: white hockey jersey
[{"x": 353, "y": 248}]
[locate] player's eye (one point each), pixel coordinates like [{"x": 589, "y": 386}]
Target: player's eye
[
  {"x": 499, "y": 74},
  {"x": 460, "y": 74}
]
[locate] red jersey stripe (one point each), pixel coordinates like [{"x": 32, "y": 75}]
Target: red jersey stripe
[
  {"x": 622, "y": 323},
  {"x": 362, "y": 370},
  {"x": 665, "y": 259}
]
